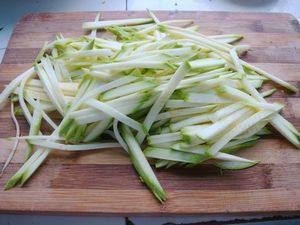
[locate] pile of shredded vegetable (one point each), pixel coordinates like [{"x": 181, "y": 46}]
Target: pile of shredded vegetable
[{"x": 159, "y": 90}]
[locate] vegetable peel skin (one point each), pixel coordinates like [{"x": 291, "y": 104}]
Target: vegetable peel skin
[{"x": 187, "y": 97}]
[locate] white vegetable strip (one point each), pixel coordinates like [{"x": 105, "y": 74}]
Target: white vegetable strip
[
  {"x": 162, "y": 99},
  {"x": 48, "y": 67},
  {"x": 201, "y": 78},
  {"x": 253, "y": 130},
  {"x": 190, "y": 121},
  {"x": 169, "y": 52},
  {"x": 115, "y": 114},
  {"x": 106, "y": 87},
  {"x": 36, "y": 122},
  {"x": 37, "y": 105},
  {"x": 53, "y": 80},
  {"x": 118, "y": 135},
  {"x": 152, "y": 15},
  {"x": 210, "y": 62},
  {"x": 47, "y": 86},
  {"x": 227, "y": 38},
  {"x": 124, "y": 101},
  {"x": 93, "y": 33},
  {"x": 90, "y": 118},
  {"x": 236, "y": 60},
  {"x": 196, "y": 37},
  {"x": 22, "y": 103},
  {"x": 124, "y": 109},
  {"x": 261, "y": 72},
  {"x": 40, "y": 137},
  {"x": 128, "y": 89},
  {"x": 183, "y": 112},
  {"x": 270, "y": 76},
  {"x": 221, "y": 125},
  {"x": 109, "y": 23},
  {"x": 16, "y": 142},
  {"x": 66, "y": 87},
  {"x": 287, "y": 133},
  {"x": 223, "y": 112},
  {"x": 232, "y": 158},
  {"x": 13, "y": 85},
  {"x": 240, "y": 128},
  {"x": 281, "y": 124},
  {"x": 174, "y": 104},
  {"x": 286, "y": 123},
  {"x": 205, "y": 98},
  {"x": 160, "y": 138},
  {"x": 237, "y": 94},
  {"x": 81, "y": 147},
  {"x": 130, "y": 65},
  {"x": 90, "y": 53}
]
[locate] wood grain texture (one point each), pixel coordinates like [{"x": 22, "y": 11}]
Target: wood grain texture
[{"x": 103, "y": 181}]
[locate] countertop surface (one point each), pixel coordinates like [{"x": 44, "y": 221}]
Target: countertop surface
[{"x": 12, "y": 10}]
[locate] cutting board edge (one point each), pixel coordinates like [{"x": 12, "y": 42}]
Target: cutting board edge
[{"x": 154, "y": 214}]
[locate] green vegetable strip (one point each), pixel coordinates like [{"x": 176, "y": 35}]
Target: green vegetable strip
[
  {"x": 235, "y": 165},
  {"x": 97, "y": 130},
  {"x": 33, "y": 167},
  {"x": 141, "y": 164},
  {"x": 268, "y": 92},
  {"x": 15, "y": 179},
  {"x": 34, "y": 129},
  {"x": 173, "y": 155}
]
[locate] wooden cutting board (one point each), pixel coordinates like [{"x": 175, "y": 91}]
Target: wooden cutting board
[{"x": 104, "y": 181}]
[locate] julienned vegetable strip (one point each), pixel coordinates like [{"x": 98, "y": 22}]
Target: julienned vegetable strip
[
  {"x": 125, "y": 22},
  {"x": 141, "y": 164},
  {"x": 186, "y": 97},
  {"x": 16, "y": 143},
  {"x": 13, "y": 85},
  {"x": 161, "y": 101}
]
